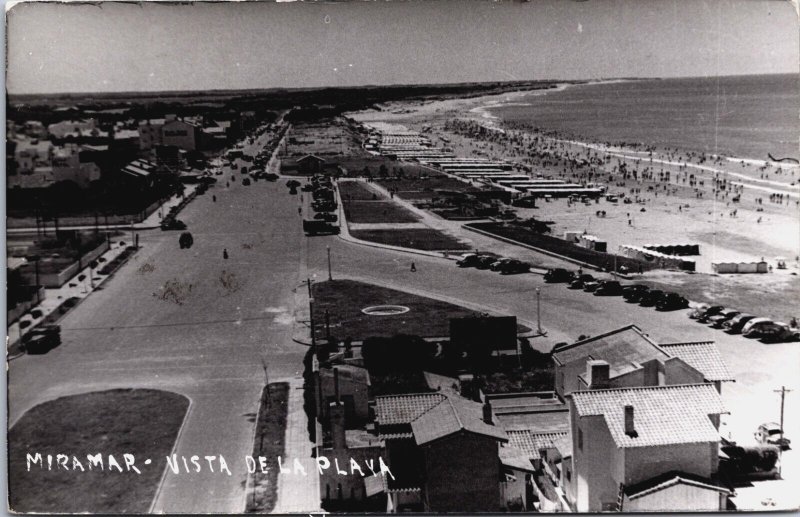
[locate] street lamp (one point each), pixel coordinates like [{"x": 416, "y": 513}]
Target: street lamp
[
  {"x": 539, "y": 311},
  {"x": 330, "y": 275}
]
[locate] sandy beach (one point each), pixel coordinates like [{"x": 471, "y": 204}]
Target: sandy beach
[{"x": 736, "y": 209}]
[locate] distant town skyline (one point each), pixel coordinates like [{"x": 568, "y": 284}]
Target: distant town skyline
[{"x": 121, "y": 47}]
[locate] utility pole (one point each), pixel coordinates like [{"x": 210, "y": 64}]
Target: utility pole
[
  {"x": 783, "y": 391},
  {"x": 330, "y": 276},
  {"x": 539, "y": 310}
]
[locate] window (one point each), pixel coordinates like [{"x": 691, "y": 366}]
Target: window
[
  {"x": 580, "y": 438},
  {"x": 568, "y": 474}
]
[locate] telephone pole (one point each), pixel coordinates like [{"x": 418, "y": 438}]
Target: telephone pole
[{"x": 783, "y": 391}]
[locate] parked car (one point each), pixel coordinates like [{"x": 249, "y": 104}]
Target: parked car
[
  {"x": 634, "y": 293},
  {"x": 651, "y": 298},
  {"x": 468, "y": 260},
  {"x": 270, "y": 176},
  {"x": 41, "y": 339},
  {"x": 718, "y": 320},
  {"x": 172, "y": 224},
  {"x": 186, "y": 240},
  {"x": 499, "y": 263},
  {"x": 609, "y": 288},
  {"x": 579, "y": 282},
  {"x": 671, "y": 302},
  {"x": 711, "y": 311},
  {"x": 771, "y": 433},
  {"x": 775, "y": 332},
  {"x": 559, "y": 275},
  {"x": 485, "y": 262},
  {"x": 754, "y": 323},
  {"x": 513, "y": 267},
  {"x": 592, "y": 285},
  {"x": 735, "y": 324},
  {"x": 327, "y": 216}
]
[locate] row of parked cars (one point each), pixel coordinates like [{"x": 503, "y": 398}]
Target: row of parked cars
[
  {"x": 633, "y": 293},
  {"x": 749, "y": 325},
  {"x": 503, "y": 265}
]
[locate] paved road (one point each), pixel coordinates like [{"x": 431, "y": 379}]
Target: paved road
[{"x": 209, "y": 347}]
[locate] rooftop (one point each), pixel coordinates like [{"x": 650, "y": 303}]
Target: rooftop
[
  {"x": 433, "y": 416},
  {"x": 624, "y": 349},
  {"x": 667, "y": 480},
  {"x": 703, "y": 356},
  {"x": 663, "y": 415},
  {"x": 531, "y": 442}
]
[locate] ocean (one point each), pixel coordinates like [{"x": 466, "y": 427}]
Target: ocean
[{"x": 738, "y": 116}]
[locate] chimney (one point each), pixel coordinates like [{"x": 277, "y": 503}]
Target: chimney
[
  {"x": 651, "y": 373},
  {"x": 630, "y": 430},
  {"x": 465, "y": 382},
  {"x": 336, "y": 385},
  {"x": 597, "y": 373},
  {"x": 336, "y": 412},
  {"x": 487, "y": 412}
]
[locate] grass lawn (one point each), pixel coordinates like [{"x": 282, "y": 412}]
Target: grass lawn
[
  {"x": 416, "y": 238},
  {"x": 357, "y": 191},
  {"x": 270, "y": 438},
  {"x": 344, "y": 299},
  {"x": 141, "y": 422},
  {"x": 377, "y": 212}
]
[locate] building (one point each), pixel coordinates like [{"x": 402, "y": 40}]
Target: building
[
  {"x": 182, "y": 134},
  {"x": 627, "y": 357},
  {"x": 32, "y": 153},
  {"x": 444, "y": 453},
  {"x": 347, "y": 383},
  {"x": 150, "y": 135},
  {"x": 625, "y": 440},
  {"x": 70, "y": 128},
  {"x": 310, "y": 164}
]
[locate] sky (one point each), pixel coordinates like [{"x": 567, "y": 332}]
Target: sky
[{"x": 150, "y": 46}]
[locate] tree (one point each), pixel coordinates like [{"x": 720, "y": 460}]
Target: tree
[{"x": 399, "y": 353}]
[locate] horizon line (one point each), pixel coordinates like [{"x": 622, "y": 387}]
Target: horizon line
[{"x": 395, "y": 85}]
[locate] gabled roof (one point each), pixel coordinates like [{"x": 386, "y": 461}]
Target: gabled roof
[
  {"x": 531, "y": 442},
  {"x": 669, "y": 479},
  {"x": 516, "y": 459},
  {"x": 310, "y": 157},
  {"x": 452, "y": 416},
  {"x": 403, "y": 409},
  {"x": 703, "y": 356},
  {"x": 433, "y": 416},
  {"x": 663, "y": 415},
  {"x": 624, "y": 349}
]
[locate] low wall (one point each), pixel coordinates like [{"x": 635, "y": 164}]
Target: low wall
[
  {"x": 23, "y": 307},
  {"x": 55, "y": 280}
]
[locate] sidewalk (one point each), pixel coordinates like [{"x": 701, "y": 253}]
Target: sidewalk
[
  {"x": 71, "y": 289},
  {"x": 297, "y": 493}
]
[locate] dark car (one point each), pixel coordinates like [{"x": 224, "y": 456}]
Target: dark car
[
  {"x": 469, "y": 260},
  {"x": 499, "y": 263},
  {"x": 633, "y": 293},
  {"x": 718, "y": 320},
  {"x": 581, "y": 281},
  {"x": 327, "y": 216},
  {"x": 735, "y": 324},
  {"x": 651, "y": 298},
  {"x": 609, "y": 288},
  {"x": 172, "y": 224},
  {"x": 307, "y": 187},
  {"x": 41, "y": 339},
  {"x": 485, "y": 262},
  {"x": 558, "y": 275},
  {"x": 270, "y": 176},
  {"x": 186, "y": 240},
  {"x": 513, "y": 267},
  {"x": 671, "y": 302},
  {"x": 711, "y": 311},
  {"x": 592, "y": 286}
]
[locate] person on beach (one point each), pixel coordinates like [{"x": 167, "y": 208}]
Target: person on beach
[
  {"x": 413, "y": 268},
  {"x": 225, "y": 253}
]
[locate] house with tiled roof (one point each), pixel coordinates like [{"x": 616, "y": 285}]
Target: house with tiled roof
[
  {"x": 624, "y": 437},
  {"x": 443, "y": 451},
  {"x": 627, "y": 357}
]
